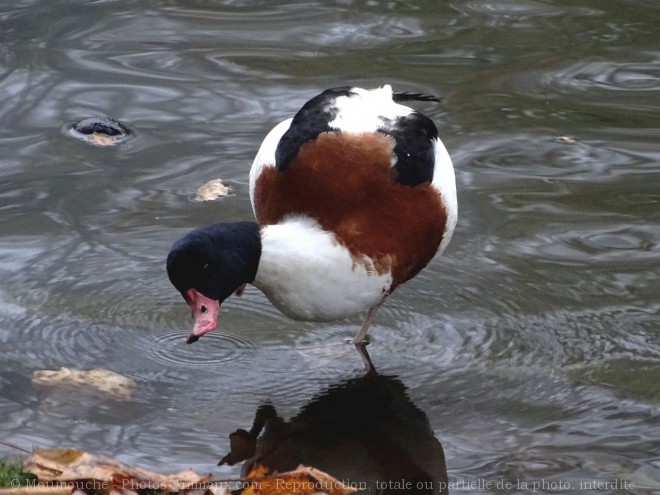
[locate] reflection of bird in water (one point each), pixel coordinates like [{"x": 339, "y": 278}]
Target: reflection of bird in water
[{"x": 365, "y": 432}]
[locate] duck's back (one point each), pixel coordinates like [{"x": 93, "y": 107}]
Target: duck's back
[{"x": 366, "y": 168}]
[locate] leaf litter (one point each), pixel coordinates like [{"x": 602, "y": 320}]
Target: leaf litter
[{"x": 74, "y": 472}]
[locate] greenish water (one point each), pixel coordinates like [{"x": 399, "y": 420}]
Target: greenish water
[{"x": 532, "y": 346}]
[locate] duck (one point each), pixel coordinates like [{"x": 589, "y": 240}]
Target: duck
[{"x": 352, "y": 196}]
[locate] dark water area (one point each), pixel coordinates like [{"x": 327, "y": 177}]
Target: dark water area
[{"x": 530, "y": 351}]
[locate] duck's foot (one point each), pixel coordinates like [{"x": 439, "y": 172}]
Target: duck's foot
[{"x": 364, "y": 355}]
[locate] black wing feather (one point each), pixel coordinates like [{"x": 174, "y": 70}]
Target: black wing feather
[
  {"x": 310, "y": 121},
  {"x": 414, "y": 135}
]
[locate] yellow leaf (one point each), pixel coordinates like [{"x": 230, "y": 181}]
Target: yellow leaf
[
  {"x": 257, "y": 471},
  {"x": 212, "y": 190},
  {"x": 105, "y": 381},
  {"x": 105, "y": 475},
  {"x": 301, "y": 481},
  {"x": 100, "y": 139}
]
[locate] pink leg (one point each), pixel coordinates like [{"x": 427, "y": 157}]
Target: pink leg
[{"x": 371, "y": 316}]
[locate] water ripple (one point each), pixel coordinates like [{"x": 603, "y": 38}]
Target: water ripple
[
  {"x": 215, "y": 350},
  {"x": 49, "y": 342},
  {"x": 592, "y": 76}
]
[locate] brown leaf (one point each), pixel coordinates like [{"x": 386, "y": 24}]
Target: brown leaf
[
  {"x": 74, "y": 465},
  {"x": 212, "y": 190},
  {"x": 38, "y": 490},
  {"x": 257, "y": 471},
  {"x": 100, "y": 139},
  {"x": 301, "y": 481},
  {"x": 105, "y": 381}
]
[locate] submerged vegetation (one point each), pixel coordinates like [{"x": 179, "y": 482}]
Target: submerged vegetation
[{"x": 12, "y": 474}]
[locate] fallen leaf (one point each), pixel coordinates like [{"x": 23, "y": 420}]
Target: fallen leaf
[
  {"x": 81, "y": 473},
  {"x": 302, "y": 481},
  {"x": 100, "y": 139},
  {"x": 39, "y": 490},
  {"x": 106, "y": 475},
  {"x": 257, "y": 471},
  {"x": 103, "y": 380},
  {"x": 212, "y": 190}
]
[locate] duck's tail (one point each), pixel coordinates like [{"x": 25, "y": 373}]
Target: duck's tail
[{"x": 406, "y": 96}]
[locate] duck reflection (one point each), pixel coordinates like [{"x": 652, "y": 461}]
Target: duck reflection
[{"x": 365, "y": 432}]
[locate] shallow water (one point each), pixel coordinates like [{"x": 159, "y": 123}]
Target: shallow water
[{"x": 532, "y": 346}]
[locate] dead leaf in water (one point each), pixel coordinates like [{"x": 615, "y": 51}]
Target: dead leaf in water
[
  {"x": 257, "y": 471},
  {"x": 105, "y": 475},
  {"x": 301, "y": 481},
  {"x": 40, "y": 490},
  {"x": 100, "y": 139},
  {"x": 74, "y": 472},
  {"x": 212, "y": 190},
  {"x": 103, "y": 380}
]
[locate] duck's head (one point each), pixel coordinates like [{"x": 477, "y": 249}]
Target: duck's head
[{"x": 209, "y": 264}]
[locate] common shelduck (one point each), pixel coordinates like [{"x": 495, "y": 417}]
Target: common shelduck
[{"x": 353, "y": 196}]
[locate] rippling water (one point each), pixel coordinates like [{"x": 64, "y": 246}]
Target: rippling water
[{"x": 531, "y": 349}]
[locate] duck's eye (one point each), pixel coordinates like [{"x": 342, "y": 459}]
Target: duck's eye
[{"x": 203, "y": 309}]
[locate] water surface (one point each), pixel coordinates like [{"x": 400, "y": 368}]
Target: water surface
[{"x": 532, "y": 346}]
